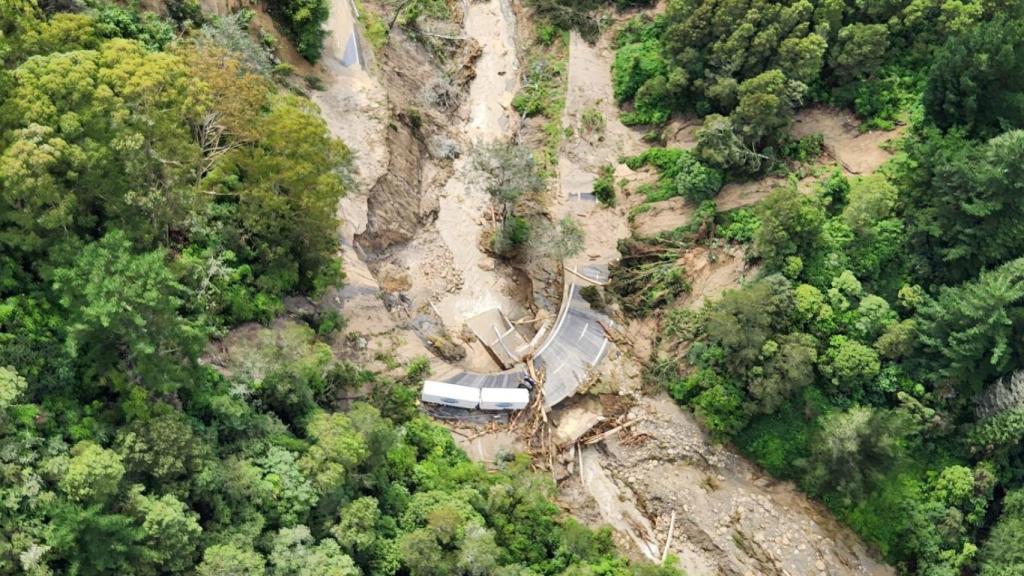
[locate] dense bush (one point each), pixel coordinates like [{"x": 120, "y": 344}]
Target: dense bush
[
  {"x": 604, "y": 185},
  {"x": 680, "y": 173},
  {"x": 148, "y": 199},
  {"x": 752, "y": 64},
  {"x": 303, "y": 20}
]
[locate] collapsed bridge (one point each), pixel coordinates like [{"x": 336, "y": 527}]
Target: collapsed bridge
[{"x": 576, "y": 344}]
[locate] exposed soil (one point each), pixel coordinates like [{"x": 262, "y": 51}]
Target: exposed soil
[
  {"x": 712, "y": 271},
  {"x": 731, "y": 518},
  {"x": 410, "y": 245},
  {"x": 663, "y": 216},
  {"x": 857, "y": 152},
  {"x": 582, "y": 155}
]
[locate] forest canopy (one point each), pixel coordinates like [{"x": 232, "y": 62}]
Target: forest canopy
[
  {"x": 159, "y": 187},
  {"x": 876, "y": 358}
]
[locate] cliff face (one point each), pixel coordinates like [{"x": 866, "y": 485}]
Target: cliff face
[{"x": 397, "y": 205}]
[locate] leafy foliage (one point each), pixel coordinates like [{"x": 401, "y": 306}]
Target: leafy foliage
[
  {"x": 976, "y": 83},
  {"x": 679, "y": 174},
  {"x": 304, "y": 21},
  {"x": 149, "y": 199}
]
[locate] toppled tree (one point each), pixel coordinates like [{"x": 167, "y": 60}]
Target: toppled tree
[{"x": 648, "y": 275}]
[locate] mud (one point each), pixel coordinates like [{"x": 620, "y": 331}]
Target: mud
[
  {"x": 856, "y": 151},
  {"x": 731, "y": 518},
  {"x": 582, "y": 155},
  {"x": 410, "y": 246}
]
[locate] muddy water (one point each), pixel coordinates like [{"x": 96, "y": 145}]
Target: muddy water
[{"x": 464, "y": 204}]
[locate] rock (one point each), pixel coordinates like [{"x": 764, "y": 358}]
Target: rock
[
  {"x": 394, "y": 204},
  {"x": 300, "y": 307},
  {"x": 393, "y": 279},
  {"x": 446, "y": 348}
]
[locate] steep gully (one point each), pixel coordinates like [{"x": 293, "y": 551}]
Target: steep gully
[{"x": 732, "y": 520}]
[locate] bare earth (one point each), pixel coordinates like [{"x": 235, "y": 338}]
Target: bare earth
[
  {"x": 582, "y": 155},
  {"x": 857, "y": 152},
  {"x": 731, "y": 518},
  {"x": 463, "y": 202}
]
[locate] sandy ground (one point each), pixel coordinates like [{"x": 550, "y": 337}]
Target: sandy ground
[
  {"x": 712, "y": 271},
  {"x": 731, "y": 518},
  {"x": 858, "y": 152},
  {"x": 582, "y": 155},
  {"x": 721, "y": 500},
  {"x": 354, "y": 106},
  {"x": 463, "y": 203}
]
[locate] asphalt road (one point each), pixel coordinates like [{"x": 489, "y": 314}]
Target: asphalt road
[{"x": 576, "y": 345}]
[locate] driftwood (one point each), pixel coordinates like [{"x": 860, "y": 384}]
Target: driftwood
[
  {"x": 668, "y": 540},
  {"x": 601, "y": 436}
]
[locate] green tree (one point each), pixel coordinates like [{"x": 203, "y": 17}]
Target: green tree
[
  {"x": 850, "y": 365},
  {"x": 295, "y": 553},
  {"x": 634, "y": 66},
  {"x": 801, "y": 59},
  {"x": 853, "y": 449},
  {"x": 977, "y": 80},
  {"x": 103, "y": 132},
  {"x": 304, "y": 21},
  {"x": 1003, "y": 551},
  {"x": 93, "y": 474},
  {"x": 791, "y": 225},
  {"x": 788, "y": 366},
  {"x": 766, "y": 106},
  {"x": 360, "y": 533},
  {"x": 972, "y": 331},
  {"x": 172, "y": 533},
  {"x": 12, "y": 386},
  {"x": 164, "y": 451},
  {"x": 229, "y": 560},
  {"x": 288, "y": 184},
  {"x": 89, "y": 540},
  {"x": 337, "y": 450},
  {"x": 507, "y": 171},
  {"x": 123, "y": 312},
  {"x": 860, "y": 50},
  {"x": 290, "y": 494},
  {"x": 959, "y": 200}
]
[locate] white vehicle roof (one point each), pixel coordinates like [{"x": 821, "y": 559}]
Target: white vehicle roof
[
  {"x": 450, "y": 394},
  {"x": 504, "y": 398}
]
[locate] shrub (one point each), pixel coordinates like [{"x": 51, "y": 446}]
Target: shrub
[
  {"x": 739, "y": 226},
  {"x": 682, "y": 174},
  {"x": 634, "y": 65},
  {"x": 592, "y": 120},
  {"x": 512, "y": 235},
  {"x": 803, "y": 149},
  {"x": 604, "y": 186}
]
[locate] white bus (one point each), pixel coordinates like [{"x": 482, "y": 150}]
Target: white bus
[
  {"x": 504, "y": 398},
  {"x": 450, "y": 394}
]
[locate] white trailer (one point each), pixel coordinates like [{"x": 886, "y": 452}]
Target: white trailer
[
  {"x": 504, "y": 398},
  {"x": 450, "y": 394}
]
